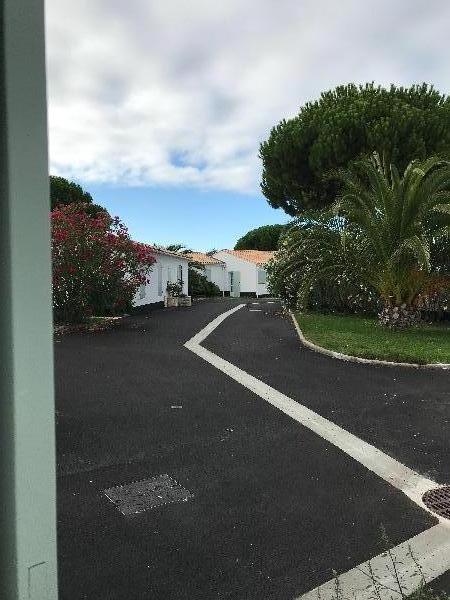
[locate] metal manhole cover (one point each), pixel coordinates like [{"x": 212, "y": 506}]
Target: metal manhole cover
[
  {"x": 438, "y": 501},
  {"x": 143, "y": 495}
]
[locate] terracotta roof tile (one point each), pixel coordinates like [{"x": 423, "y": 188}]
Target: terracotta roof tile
[
  {"x": 258, "y": 257},
  {"x": 157, "y": 250},
  {"x": 204, "y": 259}
]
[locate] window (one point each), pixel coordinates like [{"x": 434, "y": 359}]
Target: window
[
  {"x": 208, "y": 273},
  {"x": 142, "y": 291},
  {"x": 262, "y": 276},
  {"x": 180, "y": 274}
]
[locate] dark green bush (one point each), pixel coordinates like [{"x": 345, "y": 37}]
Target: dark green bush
[
  {"x": 200, "y": 286},
  {"x": 315, "y": 269}
]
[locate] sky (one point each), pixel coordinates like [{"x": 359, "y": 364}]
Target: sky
[{"x": 158, "y": 108}]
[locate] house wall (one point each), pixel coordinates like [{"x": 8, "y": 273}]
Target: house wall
[
  {"x": 165, "y": 269},
  {"x": 218, "y": 275},
  {"x": 247, "y": 270}
]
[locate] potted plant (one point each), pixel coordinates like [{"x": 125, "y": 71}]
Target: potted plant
[
  {"x": 184, "y": 300},
  {"x": 173, "y": 294}
]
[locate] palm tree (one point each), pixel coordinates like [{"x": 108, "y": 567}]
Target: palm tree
[
  {"x": 321, "y": 256},
  {"x": 397, "y": 218}
]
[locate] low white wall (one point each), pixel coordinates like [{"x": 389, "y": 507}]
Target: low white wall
[{"x": 164, "y": 270}]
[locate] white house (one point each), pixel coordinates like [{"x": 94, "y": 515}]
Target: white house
[
  {"x": 246, "y": 273},
  {"x": 212, "y": 268},
  {"x": 169, "y": 267}
]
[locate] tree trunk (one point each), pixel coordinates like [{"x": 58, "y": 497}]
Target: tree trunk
[{"x": 399, "y": 316}]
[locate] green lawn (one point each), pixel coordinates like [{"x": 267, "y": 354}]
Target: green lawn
[{"x": 362, "y": 336}]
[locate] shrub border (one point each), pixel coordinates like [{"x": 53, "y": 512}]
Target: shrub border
[{"x": 360, "y": 359}]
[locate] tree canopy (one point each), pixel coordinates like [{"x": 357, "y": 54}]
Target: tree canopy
[
  {"x": 179, "y": 248},
  {"x": 261, "y": 238},
  {"x": 63, "y": 191},
  {"x": 303, "y": 156}
]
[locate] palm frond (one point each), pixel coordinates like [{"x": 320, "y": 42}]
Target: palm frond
[{"x": 396, "y": 215}]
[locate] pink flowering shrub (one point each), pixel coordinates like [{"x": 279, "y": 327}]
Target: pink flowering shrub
[{"x": 97, "y": 268}]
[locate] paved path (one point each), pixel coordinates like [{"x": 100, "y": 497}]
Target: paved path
[
  {"x": 275, "y": 508},
  {"x": 405, "y": 412}
]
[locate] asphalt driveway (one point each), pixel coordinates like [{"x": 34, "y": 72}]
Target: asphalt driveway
[
  {"x": 274, "y": 509},
  {"x": 403, "y": 411}
]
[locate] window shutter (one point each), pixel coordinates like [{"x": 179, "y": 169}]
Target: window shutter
[
  {"x": 160, "y": 282},
  {"x": 262, "y": 276}
]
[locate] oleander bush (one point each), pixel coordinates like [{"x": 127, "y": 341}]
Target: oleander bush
[{"x": 97, "y": 267}]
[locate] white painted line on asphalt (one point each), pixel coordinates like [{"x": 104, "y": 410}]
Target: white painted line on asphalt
[
  {"x": 431, "y": 549},
  {"x": 203, "y": 333},
  {"x": 411, "y": 483},
  {"x": 403, "y": 478},
  {"x": 254, "y": 310}
]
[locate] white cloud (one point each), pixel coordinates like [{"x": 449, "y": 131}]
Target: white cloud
[{"x": 182, "y": 93}]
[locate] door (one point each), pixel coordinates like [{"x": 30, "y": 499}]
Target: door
[{"x": 235, "y": 283}]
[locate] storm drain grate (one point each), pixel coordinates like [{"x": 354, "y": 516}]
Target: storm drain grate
[
  {"x": 438, "y": 501},
  {"x": 143, "y": 495}
]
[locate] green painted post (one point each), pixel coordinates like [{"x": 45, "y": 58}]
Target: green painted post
[{"x": 27, "y": 452}]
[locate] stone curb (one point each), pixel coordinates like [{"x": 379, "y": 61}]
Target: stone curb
[{"x": 358, "y": 359}]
